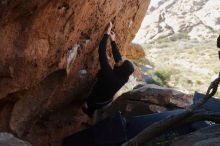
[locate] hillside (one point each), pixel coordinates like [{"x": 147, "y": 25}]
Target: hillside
[{"x": 179, "y": 37}]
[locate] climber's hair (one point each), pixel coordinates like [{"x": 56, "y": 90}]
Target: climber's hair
[{"x": 218, "y": 42}]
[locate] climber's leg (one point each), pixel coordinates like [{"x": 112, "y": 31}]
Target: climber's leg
[
  {"x": 91, "y": 107},
  {"x": 98, "y": 116}
]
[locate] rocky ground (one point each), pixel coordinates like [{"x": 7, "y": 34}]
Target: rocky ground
[{"x": 184, "y": 64}]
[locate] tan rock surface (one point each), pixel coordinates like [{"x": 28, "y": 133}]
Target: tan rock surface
[{"x": 134, "y": 51}]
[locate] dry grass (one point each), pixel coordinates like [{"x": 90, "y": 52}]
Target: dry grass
[{"x": 191, "y": 65}]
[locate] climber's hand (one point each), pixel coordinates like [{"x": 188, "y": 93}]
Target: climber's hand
[
  {"x": 109, "y": 28},
  {"x": 112, "y": 35}
]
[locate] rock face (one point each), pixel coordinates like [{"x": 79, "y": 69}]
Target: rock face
[
  {"x": 148, "y": 99},
  {"x": 135, "y": 51},
  {"x": 198, "y": 19},
  {"x": 40, "y": 41},
  {"x": 205, "y": 137}
]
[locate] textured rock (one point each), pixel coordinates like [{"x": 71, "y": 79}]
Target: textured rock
[
  {"x": 210, "y": 18},
  {"x": 209, "y": 136},
  {"x": 52, "y": 128},
  {"x": 135, "y": 51},
  {"x": 199, "y": 19},
  {"x": 40, "y": 41},
  {"x": 7, "y": 139},
  {"x": 150, "y": 98},
  {"x": 5, "y": 109}
]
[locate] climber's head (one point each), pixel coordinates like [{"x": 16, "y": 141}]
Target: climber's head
[
  {"x": 218, "y": 42},
  {"x": 124, "y": 68}
]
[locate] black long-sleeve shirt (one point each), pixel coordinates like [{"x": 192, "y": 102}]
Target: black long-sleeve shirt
[
  {"x": 108, "y": 80},
  {"x": 115, "y": 51}
]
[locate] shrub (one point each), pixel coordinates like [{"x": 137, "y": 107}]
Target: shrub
[{"x": 162, "y": 76}]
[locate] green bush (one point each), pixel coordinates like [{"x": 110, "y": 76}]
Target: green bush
[
  {"x": 180, "y": 36},
  {"x": 198, "y": 82},
  {"x": 189, "y": 82},
  {"x": 162, "y": 76},
  {"x": 145, "y": 61}
]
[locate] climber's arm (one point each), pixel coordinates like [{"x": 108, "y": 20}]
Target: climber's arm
[
  {"x": 115, "y": 51},
  {"x": 105, "y": 66}
]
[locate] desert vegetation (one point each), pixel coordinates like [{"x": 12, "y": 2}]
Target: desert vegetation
[{"x": 177, "y": 61}]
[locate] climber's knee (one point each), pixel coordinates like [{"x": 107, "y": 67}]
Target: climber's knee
[{"x": 89, "y": 110}]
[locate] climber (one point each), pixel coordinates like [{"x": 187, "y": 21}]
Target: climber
[
  {"x": 109, "y": 80},
  {"x": 218, "y": 41}
]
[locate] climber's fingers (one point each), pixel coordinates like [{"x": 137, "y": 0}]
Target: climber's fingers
[
  {"x": 109, "y": 28},
  {"x": 110, "y": 24},
  {"x": 112, "y": 33}
]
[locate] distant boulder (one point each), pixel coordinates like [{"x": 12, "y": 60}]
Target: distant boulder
[{"x": 134, "y": 51}]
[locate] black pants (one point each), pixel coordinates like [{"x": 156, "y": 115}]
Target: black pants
[{"x": 93, "y": 105}]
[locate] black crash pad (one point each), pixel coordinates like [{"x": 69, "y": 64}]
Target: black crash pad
[
  {"x": 212, "y": 104},
  {"x": 116, "y": 130},
  {"x": 109, "y": 132}
]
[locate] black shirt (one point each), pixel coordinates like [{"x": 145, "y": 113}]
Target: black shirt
[{"x": 109, "y": 81}]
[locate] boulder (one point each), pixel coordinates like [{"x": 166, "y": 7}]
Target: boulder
[
  {"x": 7, "y": 139},
  {"x": 204, "y": 137},
  {"x": 149, "y": 98},
  {"x": 135, "y": 51},
  {"x": 49, "y": 59}
]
